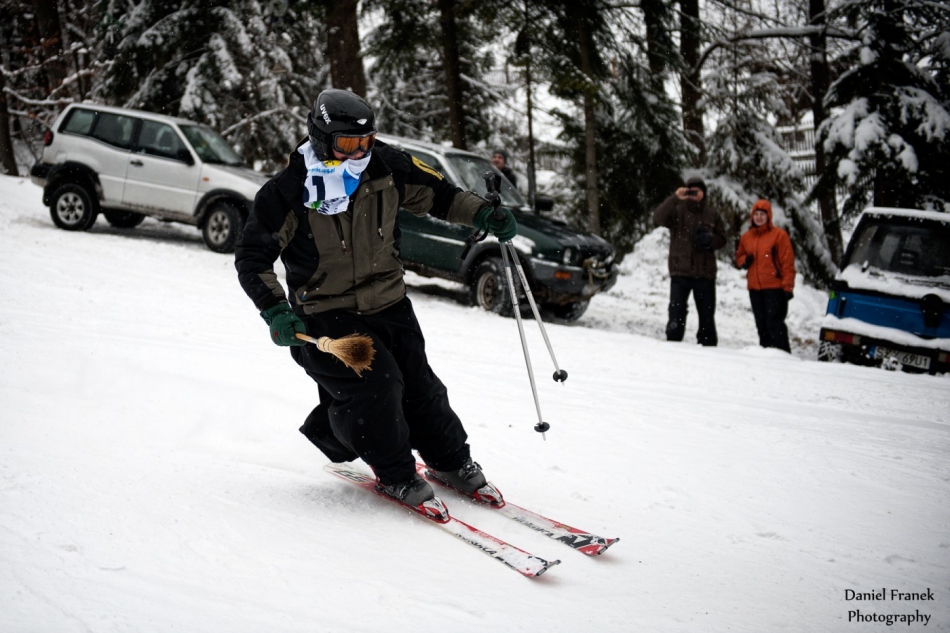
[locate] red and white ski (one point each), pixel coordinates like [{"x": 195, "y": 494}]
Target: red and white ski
[
  {"x": 490, "y": 496},
  {"x": 437, "y": 514}
]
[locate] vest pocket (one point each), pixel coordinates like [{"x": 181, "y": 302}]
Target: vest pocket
[{"x": 311, "y": 289}]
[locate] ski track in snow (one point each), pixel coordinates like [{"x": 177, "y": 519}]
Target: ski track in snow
[{"x": 152, "y": 477}]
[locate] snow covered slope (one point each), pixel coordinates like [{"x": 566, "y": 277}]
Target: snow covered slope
[{"x": 152, "y": 477}]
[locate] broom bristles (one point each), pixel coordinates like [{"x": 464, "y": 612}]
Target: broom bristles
[{"x": 355, "y": 350}]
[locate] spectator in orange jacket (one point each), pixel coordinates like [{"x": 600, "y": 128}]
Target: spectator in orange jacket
[{"x": 766, "y": 252}]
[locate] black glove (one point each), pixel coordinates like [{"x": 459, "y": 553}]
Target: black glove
[
  {"x": 789, "y": 295},
  {"x": 748, "y": 262},
  {"x": 703, "y": 238}
]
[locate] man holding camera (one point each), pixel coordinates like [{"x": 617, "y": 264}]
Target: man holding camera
[{"x": 696, "y": 232}]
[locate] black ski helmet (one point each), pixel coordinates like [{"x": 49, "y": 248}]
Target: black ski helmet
[{"x": 335, "y": 112}]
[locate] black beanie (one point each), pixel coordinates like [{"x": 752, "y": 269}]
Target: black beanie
[
  {"x": 503, "y": 153},
  {"x": 697, "y": 183}
]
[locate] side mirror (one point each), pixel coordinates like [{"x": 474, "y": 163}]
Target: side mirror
[
  {"x": 542, "y": 203},
  {"x": 185, "y": 156}
]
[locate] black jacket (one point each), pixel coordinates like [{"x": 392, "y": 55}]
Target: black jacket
[
  {"x": 349, "y": 260},
  {"x": 510, "y": 175}
]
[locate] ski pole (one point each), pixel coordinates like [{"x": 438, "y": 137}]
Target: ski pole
[
  {"x": 541, "y": 426},
  {"x": 560, "y": 375},
  {"x": 492, "y": 184}
]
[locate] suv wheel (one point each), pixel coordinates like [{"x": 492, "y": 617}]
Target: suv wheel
[
  {"x": 222, "y": 227},
  {"x": 123, "y": 219},
  {"x": 72, "y": 208},
  {"x": 490, "y": 287}
]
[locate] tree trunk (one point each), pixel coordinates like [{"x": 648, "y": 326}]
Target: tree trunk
[
  {"x": 653, "y": 11},
  {"x": 453, "y": 73},
  {"x": 7, "y": 157},
  {"x": 343, "y": 47},
  {"x": 827, "y": 204},
  {"x": 51, "y": 42},
  {"x": 532, "y": 173},
  {"x": 690, "y": 82},
  {"x": 585, "y": 45}
]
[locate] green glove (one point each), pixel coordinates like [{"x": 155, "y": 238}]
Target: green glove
[
  {"x": 283, "y": 325},
  {"x": 503, "y": 229}
]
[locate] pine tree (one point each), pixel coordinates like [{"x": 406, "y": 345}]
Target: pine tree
[
  {"x": 639, "y": 147},
  {"x": 250, "y": 74},
  {"x": 748, "y": 90},
  {"x": 887, "y": 141},
  {"x": 428, "y": 69},
  {"x": 46, "y": 59}
]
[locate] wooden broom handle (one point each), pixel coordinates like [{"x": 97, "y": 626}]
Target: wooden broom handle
[{"x": 322, "y": 343}]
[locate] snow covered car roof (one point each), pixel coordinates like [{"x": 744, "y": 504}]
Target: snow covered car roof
[
  {"x": 936, "y": 216},
  {"x": 880, "y": 268}
]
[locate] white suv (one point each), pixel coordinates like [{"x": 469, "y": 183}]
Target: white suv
[{"x": 130, "y": 164}]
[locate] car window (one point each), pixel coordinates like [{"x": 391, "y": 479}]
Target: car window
[
  {"x": 209, "y": 145},
  {"x": 79, "y": 121},
  {"x": 159, "y": 139},
  {"x": 909, "y": 248},
  {"x": 471, "y": 170},
  {"x": 114, "y": 129}
]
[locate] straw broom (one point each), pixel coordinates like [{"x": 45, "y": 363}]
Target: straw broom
[{"x": 355, "y": 350}]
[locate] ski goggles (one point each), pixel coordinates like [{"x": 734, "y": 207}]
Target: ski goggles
[{"x": 349, "y": 145}]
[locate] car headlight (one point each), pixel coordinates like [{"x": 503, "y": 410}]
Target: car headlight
[{"x": 568, "y": 254}]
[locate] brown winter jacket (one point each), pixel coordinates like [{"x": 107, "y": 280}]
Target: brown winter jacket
[
  {"x": 683, "y": 218},
  {"x": 773, "y": 260}
]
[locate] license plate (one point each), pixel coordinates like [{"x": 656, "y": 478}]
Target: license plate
[{"x": 905, "y": 358}]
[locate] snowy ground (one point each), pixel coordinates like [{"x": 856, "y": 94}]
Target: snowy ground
[{"x": 152, "y": 477}]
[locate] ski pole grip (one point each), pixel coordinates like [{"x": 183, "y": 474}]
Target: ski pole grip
[{"x": 493, "y": 186}]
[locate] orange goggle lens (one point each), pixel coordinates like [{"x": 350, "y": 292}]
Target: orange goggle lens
[{"x": 349, "y": 145}]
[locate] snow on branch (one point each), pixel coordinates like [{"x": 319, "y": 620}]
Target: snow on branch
[
  {"x": 788, "y": 32},
  {"x": 261, "y": 115}
]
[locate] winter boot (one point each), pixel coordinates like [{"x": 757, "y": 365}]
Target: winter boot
[
  {"x": 413, "y": 492},
  {"x": 467, "y": 479}
]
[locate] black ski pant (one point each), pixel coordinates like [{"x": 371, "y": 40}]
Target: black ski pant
[
  {"x": 770, "y": 307},
  {"x": 398, "y": 405},
  {"x": 704, "y": 294}
]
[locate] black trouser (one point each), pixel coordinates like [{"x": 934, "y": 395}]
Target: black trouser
[
  {"x": 770, "y": 307},
  {"x": 704, "y": 294},
  {"x": 398, "y": 405}
]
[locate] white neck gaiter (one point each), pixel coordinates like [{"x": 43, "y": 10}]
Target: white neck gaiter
[{"x": 329, "y": 184}]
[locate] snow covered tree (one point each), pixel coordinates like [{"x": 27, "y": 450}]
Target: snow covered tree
[
  {"x": 640, "y": 153},
  {"x": 887, "y": 137},
  {"x": 752, "y": 84},
  {"x": 428, "y": 69},
  {"x": 574, "y": 46},
  {"x": 243, "y": 70},
  {"x": 46, "y": 62},
  {"x": 638, "y": 144}
]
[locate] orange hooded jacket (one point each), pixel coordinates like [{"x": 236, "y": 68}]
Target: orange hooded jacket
[{"x": 773, "y": 262}]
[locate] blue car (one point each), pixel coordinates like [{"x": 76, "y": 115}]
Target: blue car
[{"x": 890, "y": 303}]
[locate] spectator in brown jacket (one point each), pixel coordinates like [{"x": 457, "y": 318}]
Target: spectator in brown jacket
[
  {"x": 766, "y": 252},
  {"x": 696, "y": 232}
]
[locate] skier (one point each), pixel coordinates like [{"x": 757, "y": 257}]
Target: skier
[
  {"x": 766, "y": 252},
  {"x": 331, "y": 216}
]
